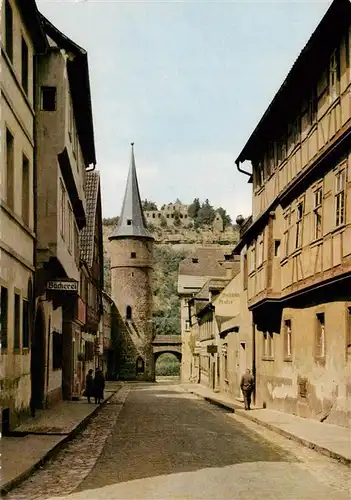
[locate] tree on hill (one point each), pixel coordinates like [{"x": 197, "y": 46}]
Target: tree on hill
[
  {"x": 166, "y": 314},
  {"x": 149, "y": 205},
  {"x": 110, "y": 221},
  {"x": 194, "y": 208},
  {"x": 206, "y": 214},
  {"x": 226, "y": 217}
]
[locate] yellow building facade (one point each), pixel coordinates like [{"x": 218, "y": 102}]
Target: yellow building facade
[
  {"x": 298, "y": 260},
  {"x": 22, "y": 38}
]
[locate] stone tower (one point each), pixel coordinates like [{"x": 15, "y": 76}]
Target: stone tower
[{"x": 131, "y": 282}]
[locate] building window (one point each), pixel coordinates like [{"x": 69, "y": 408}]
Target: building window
[
  {"x": 187, "y": 325},
  {"x": 259, "y": 171},
  {"x": 133, "y": 255},
  {"x": 48, "y": 98},
  {"x": 129, "y": 222},
  {"x": 70, "y": 228},
  {"x": 334, "y": 75},
  {"x": 312, "y": 108},
  {"x": 25, "y": 324},
  {"x": 195, "y": 260},
  {"x": 129, "y": 313},
  {"x": 260, "y": 252},
  {"x": 268, "y": 345},
  {"x": 16, "y": 329},
  {"x": 3, "y": 317},
  {"x": 62, "y": 209},
  {"x": 25, "y": 190},
  {"x": 76, "y": 244},
  {"x": 10, "y": 167},
  {"x": 225, "y": 366},
  {"x": 245, "y": 277},
  {"x": 340, "y": 198},
  {"x": 56, "y": 351},
  {"x": 24, "y": 58},
  {"x": 299, "y": 219},
  {"x": 318, "y": 197},
  {"x": 320, "y": 336},
  {"x": 8, "y": 30},
  {"x": 252, "y": 259},
  {"x": 153, "y": 216},
  {"x": 287, "y": 222},
  {"x": 276, "y": 248},
  {"x": 287, "y": 339}
]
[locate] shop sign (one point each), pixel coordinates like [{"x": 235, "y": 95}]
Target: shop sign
[{"x": 62, "y": 286}]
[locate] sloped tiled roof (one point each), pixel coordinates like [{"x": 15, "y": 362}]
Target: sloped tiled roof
[
  {"x": 92, "y": 185},
  {"x": 190, "y": 284},
  {"x": 208, "y": 263}
]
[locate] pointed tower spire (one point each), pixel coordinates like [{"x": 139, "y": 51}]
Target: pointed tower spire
[{"x": 132, "y": 221}]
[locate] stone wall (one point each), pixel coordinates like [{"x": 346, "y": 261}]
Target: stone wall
[{"x": 131, "y": 284}]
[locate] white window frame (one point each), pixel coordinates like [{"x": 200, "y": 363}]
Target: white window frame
[
  {"x": 340, "y": 196},
  {"x": 300, "y": 210},
  {"x": 318, "y": 213},
  {"x": 334, "y": 75}
]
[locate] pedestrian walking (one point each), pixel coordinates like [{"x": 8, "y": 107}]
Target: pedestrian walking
[
  {"x": 89, "y": 385},
  {"x": 99, "y": 386},
  {"x": 247, "y": 384}
]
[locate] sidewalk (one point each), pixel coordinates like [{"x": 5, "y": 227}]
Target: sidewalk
[
  {"x": 41, "y": 437},
  {"x": 331, "y": 440}
]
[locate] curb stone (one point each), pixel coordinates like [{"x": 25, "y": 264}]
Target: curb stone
[
  {"x": 313, "y": 446},
  {"x": 13, "y": 483}
]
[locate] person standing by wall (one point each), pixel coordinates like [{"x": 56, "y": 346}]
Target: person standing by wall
[
  {"x": 247, "y": 385},
  {"x": 99, "y": 386}
]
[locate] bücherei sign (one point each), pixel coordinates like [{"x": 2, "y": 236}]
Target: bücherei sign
[{"x": 62, "y": 286}]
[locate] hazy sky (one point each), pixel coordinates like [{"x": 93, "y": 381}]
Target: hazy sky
[{"x": 187, "y": 81}]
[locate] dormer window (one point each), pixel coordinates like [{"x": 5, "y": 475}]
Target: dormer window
[{"x": 129, "y": 222}]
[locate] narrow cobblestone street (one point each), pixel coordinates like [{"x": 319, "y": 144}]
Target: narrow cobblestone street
[{"x": 156, "y": 441}]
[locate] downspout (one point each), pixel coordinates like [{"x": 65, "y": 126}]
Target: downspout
[
  {"x": 35, "y": 227},
  {"x": 254, "y": 359},
  {"x": 237, "y": 163}
]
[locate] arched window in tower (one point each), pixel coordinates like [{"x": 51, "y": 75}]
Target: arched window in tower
[
  {"x": 140, "y": 365},
  {"x": 129, "y": 312}
]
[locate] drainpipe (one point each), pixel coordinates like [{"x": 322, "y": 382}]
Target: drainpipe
[
  {"x": 237, "y": 163},
  {"x": 35, "y": 228},
  {"x": 254, "y": 359},
  {"x": 48, "y": 363}
]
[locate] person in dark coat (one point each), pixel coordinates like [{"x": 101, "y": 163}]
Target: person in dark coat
[
  {"x": 99, "y": 386},
  {"x": 89, "y": 385},
  {"x": 247, "y": 384}
]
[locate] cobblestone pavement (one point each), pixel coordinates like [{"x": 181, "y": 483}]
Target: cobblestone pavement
[
  {"x": 167, "y": 444},
  {"x": 67, "y": 469}
]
